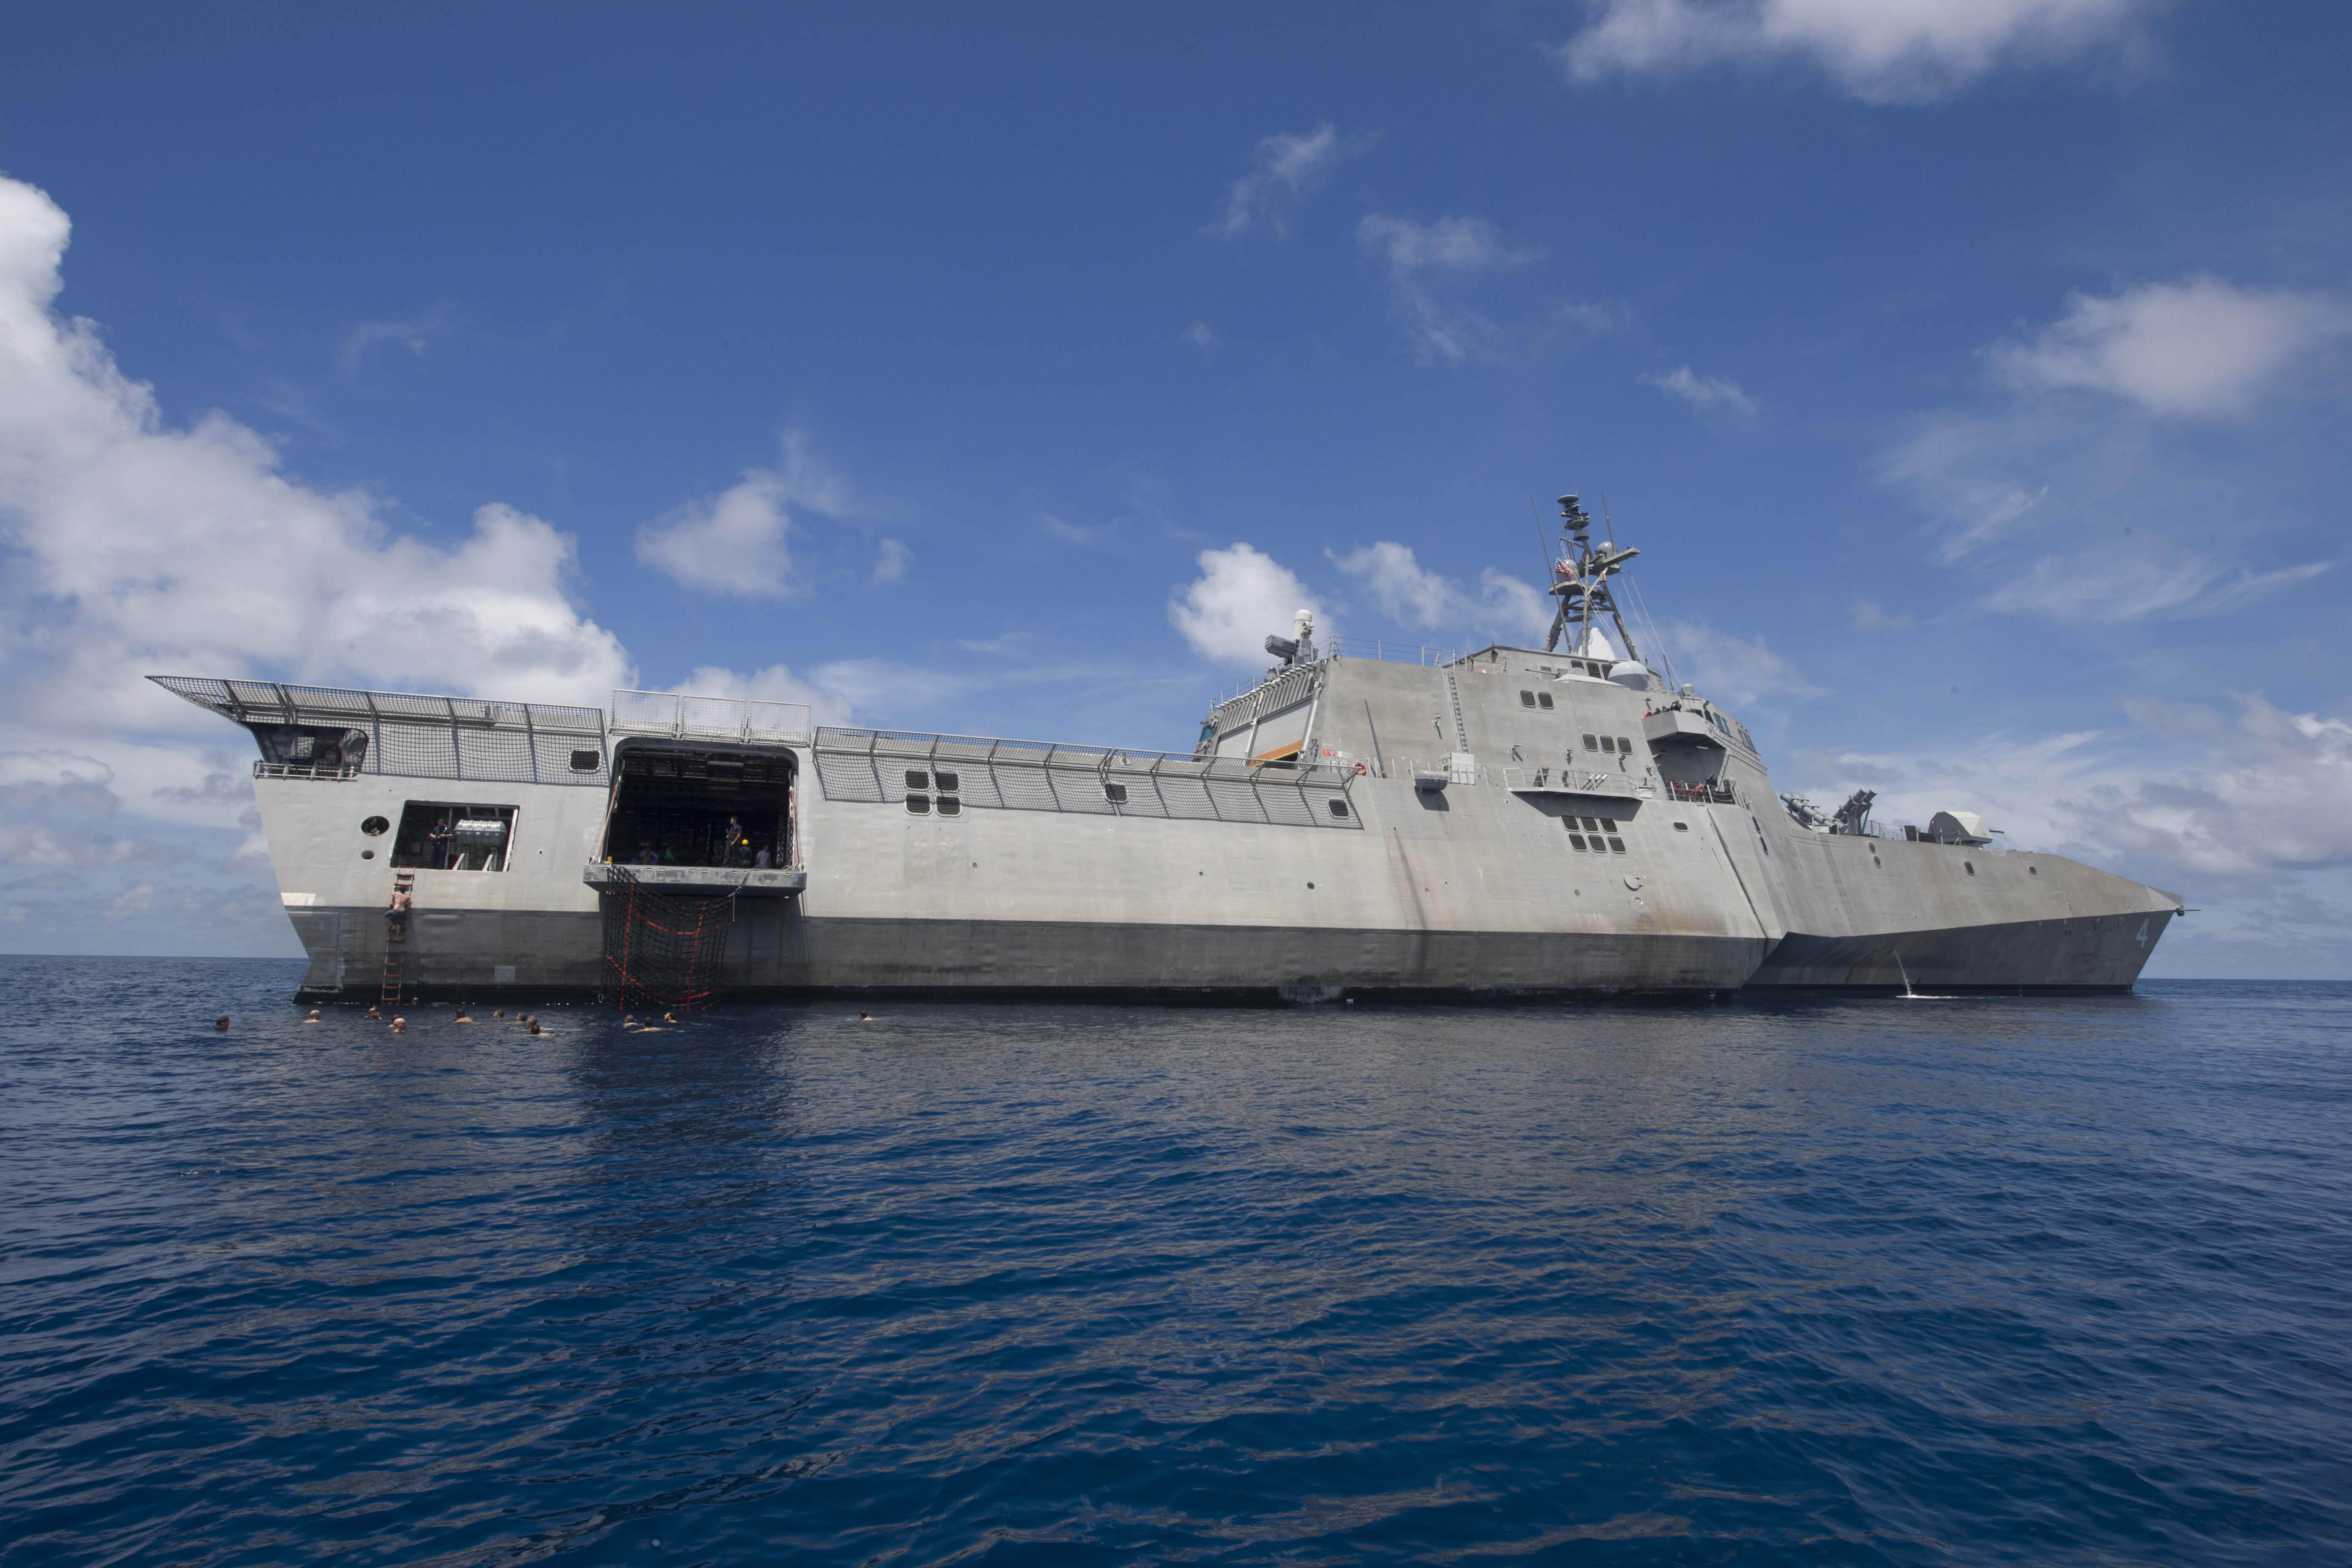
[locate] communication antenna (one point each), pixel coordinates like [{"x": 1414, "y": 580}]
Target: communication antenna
[{"x": 1580, "y": 579}]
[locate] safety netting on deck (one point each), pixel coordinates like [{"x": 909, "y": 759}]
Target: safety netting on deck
[{"x": 662, "y": 949}]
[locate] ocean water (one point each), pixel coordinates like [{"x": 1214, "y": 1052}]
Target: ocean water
[{"x": 1981, "y": 1281}]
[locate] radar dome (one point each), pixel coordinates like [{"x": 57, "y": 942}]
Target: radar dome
[{"x": 1631, "y": 675}]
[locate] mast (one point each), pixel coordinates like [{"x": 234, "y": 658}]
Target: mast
[{"x": 1579, "y": 579}]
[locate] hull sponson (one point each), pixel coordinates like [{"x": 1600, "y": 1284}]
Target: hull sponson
[{"x": 2100, "y": 953}]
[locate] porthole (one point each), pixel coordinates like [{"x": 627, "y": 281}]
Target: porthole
[
  {"x": 947, "y": 783},
  {"x": 1543, "y": 700},
  {"x": 1682, "y": 827},
  {"x": 376, "y": 826},
  {"x": 2034, "y": 870},
  {"x": 1116, "y": 793},
  {"x": 950, "y": 807},
  {"x": 1339, "y": 808},
  {"x": 919, "y": 805},
  {"x": 587, "y": 761},
  {"x": 367, "y": 854},
  {"x": 918, "y": 779}
]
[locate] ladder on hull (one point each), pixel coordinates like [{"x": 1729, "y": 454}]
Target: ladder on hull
[{"x": 396, "y": 942}]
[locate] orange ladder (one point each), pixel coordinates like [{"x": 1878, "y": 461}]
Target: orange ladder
[{"x": 395, "y": 941}]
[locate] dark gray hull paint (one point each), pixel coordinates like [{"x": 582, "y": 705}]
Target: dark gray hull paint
[{"x": 772, "y": 950}]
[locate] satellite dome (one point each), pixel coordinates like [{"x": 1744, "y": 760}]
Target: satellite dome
[{"x": 1631, "y": 674}]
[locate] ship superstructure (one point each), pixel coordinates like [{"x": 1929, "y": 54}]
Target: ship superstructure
[{"x": 1362, "y": 821}]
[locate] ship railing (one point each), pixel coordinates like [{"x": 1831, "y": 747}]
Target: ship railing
[
  {"x": 989, "y": 750},
  {"x": 304, "y": 771},
  {"x": 1575, "y": 781},
  {"x": 673, "y": 715},
  {"x": 1718, "y": 793},
  {"x": 1391, "y": 652}
]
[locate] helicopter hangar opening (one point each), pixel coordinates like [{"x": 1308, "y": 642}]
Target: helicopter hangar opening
[{"x": 672, "y": 802}]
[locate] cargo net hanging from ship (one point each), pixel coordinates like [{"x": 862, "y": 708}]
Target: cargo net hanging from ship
[{"x": 663, "y": 950}]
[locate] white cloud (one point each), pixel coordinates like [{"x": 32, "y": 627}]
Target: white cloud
[
  {"x": 2197, "y": 794},
  {"x": 892, "y": 564},
  {"x": 1734, "y": 671},
  {"x": 1411, "y": 596},
  {"x": 1883, "y": 51},
  {"x": 1705, "y": 392},
  {"x": 2198, "y": 348},
  {"x": 773, "y": 684},
  {"x": 413, "y": 335},
  {"x": 1286, "y": 166},
  {"x": 135, "y": 546},
  {"x": 732, "y": 542},
  {"x": 1240, "y": 598},
  {"x": 1421, "y": 258},
  {"x": 2128, "y": 581},
  {"x": 1869, "y": 615},
  {"x": 1201, "y": 336},
  {"x": 135, "y": 899}
]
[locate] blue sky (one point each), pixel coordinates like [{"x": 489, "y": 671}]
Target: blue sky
[{"x": 1972, "y": 372}]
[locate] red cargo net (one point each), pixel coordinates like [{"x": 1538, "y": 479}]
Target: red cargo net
[{"x": 662, "y": 949}]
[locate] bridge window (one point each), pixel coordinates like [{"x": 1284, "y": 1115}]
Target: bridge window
[
  {"x": 1624, "y": 746},
  {"x": 950, "y": 807},
  {"x": 919, "y": 806},
  {"x": 587, "y": 761},
  {"x": 1543, "y": 700},
  {"x": 918, "y": 779},
  {"x": 1527, "y": 699},
  {"x": 1116, "y": 793},
  {"x": 1591, "y": 742},
  {"x": 948, "y": 782},
  {"x": 1339, "y": 808},
  {"x": 1575, "y": 841},
  {"x": 1617, "y": 847}
]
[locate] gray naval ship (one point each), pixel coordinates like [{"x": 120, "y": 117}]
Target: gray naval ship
[{"x": 1363, "y": 821}]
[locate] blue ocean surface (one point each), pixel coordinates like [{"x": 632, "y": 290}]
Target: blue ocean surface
[{"x": 1886, "y": 1281}]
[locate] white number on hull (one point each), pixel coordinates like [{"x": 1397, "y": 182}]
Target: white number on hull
[{"x": 2143, "y": 934}]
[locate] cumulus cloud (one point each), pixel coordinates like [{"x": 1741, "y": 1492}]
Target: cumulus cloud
[
  {"x": 1241, "y": 598},
  {"x": 1286, "y": 165},
  {"x": 1424, "y": 259},
  {"x": 136, "y": 546},
  {"x": 732, "y": 542},
  {"x": 891, "y": 565},
  {"x": 1705, "y": 392},
  {"x": 774, "y": 684},
  {"x": 2200, "y": 348},
  {"x": 1869, "y": 615},
  {"x": 1883, "y": 51},
  {"x": 1413, "y": 595}
]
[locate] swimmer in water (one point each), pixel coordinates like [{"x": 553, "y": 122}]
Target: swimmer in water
[
  {"x": 400, "y": 1025},
  {"x": 865, "y": 1017},
  {"x": 462, "y": 1018},
  {"x": 377, "y": 1014},
  {"x": 220, "y": 1025},
  {"x": 498, "y": 1012},
  {"x": 313, "y": 1019},
  {"x": 534, "y": 1026},
  {"x": 669, "y": 1017}
]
